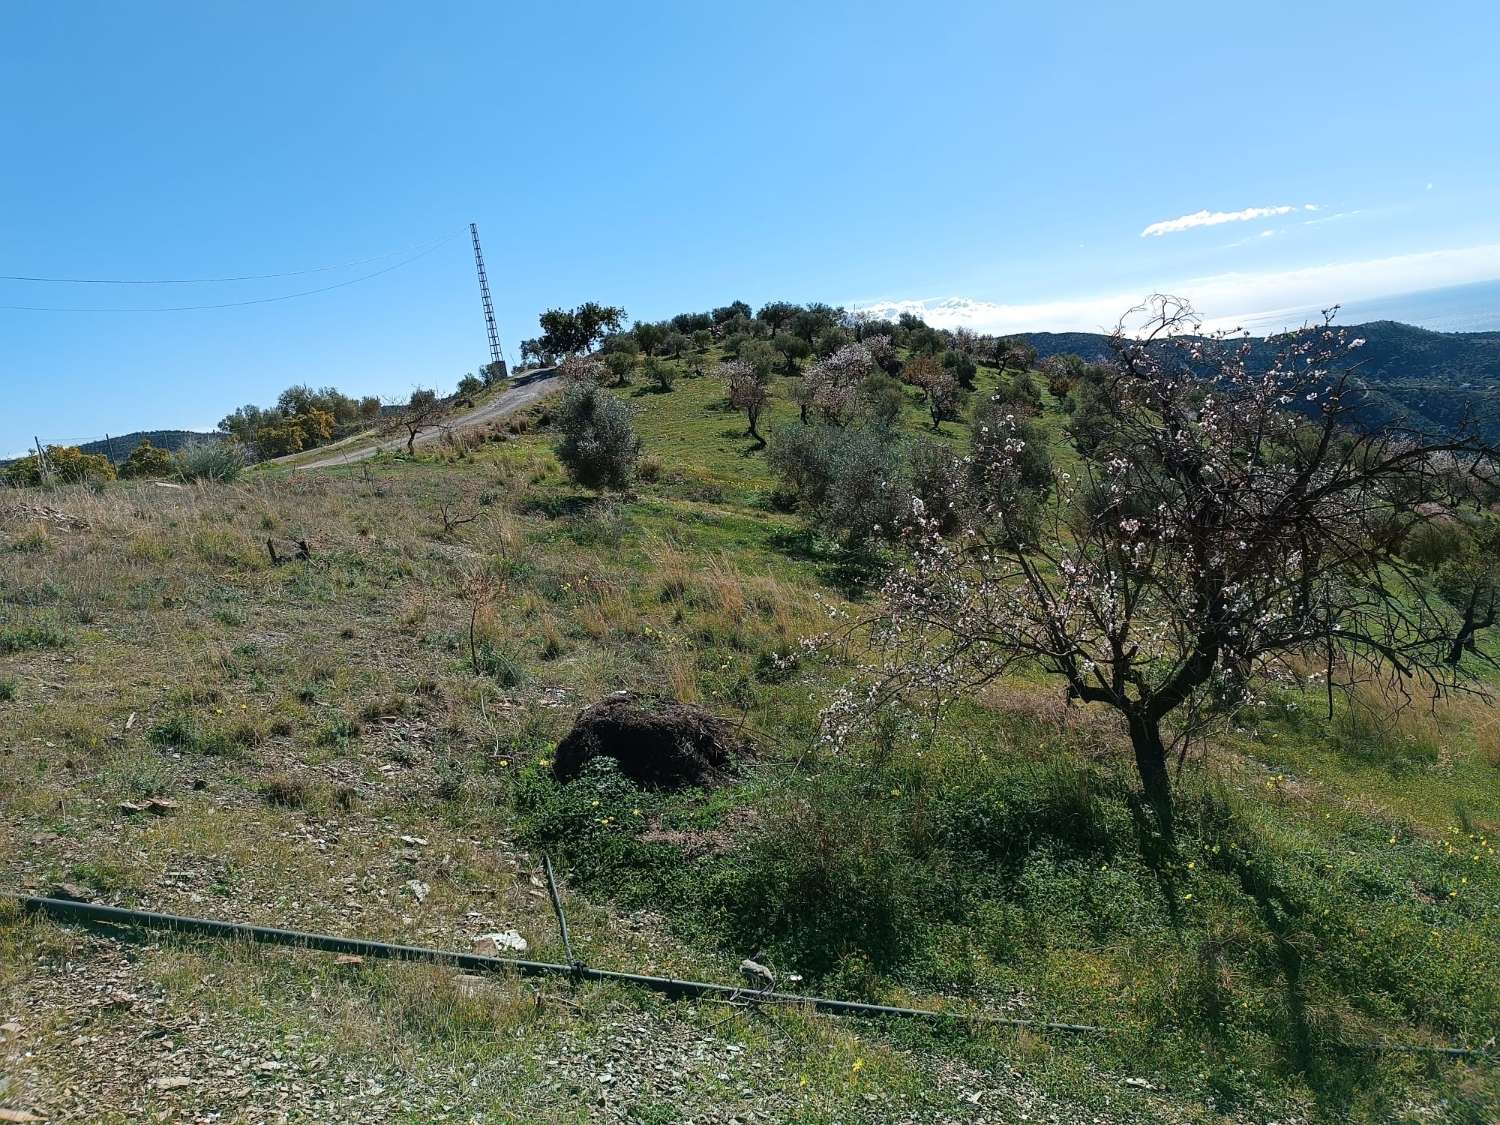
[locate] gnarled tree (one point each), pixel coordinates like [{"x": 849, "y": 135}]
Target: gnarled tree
[{"x": 1230, "y": 524}]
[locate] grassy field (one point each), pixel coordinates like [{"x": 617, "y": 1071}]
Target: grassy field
[{"x": 340, "y": 764}]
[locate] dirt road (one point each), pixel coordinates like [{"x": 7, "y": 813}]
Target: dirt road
[{"x": 520, "y": 394}]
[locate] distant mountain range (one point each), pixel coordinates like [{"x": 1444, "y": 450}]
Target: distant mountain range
[{"x": 1433, "y": 378}]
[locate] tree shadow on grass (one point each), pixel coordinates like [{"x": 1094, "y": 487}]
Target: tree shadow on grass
[
  {"x": 1336, "y": 1072},
  {"x": 561, "y": 507},
  {"x": 853, "y": 573}
]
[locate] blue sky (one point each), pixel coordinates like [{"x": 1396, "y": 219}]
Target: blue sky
[{"x": 673, "y": 156}]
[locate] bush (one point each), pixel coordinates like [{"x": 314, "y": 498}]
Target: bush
[
  {"x": 469, "y": 386},
  {"x": 18, "y": 638},
  {"x": 997, "y": 476},
  {"x": 937, "y": 479},
  {"x": 147, "y": 461},
  {"x": 962, "y": 367},
  {"x": 660, "y": 372},
  {"x": 847, "y": 481},
  {"x": 599, "y": 447},
  {"x": 66, "y": 464},
  {"x": 1432, "y": 544},
  {"x": 1018, "y": 394},
  {"x": 881, "y": 398},
  {"x": 220, "y": 461}
]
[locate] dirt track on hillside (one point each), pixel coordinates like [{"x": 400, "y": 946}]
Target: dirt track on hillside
[{"x": 522, "y": 393}]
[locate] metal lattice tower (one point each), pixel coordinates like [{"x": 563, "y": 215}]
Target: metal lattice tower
[{"x": 489, "y": 305}]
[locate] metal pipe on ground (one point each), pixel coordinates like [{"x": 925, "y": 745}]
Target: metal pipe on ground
[{"x": 68, "y": 910}]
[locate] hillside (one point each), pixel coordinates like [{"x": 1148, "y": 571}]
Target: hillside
[{"x": 364, "y": 743}]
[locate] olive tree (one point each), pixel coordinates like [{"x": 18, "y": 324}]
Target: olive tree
[{"x": 599, "y": 446}]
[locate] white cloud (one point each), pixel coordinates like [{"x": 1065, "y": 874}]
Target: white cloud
[
  {"x": 1215, "y": 218},
  {"x": 1223, "y": 300}
]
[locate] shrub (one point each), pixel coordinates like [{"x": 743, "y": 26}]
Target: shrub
[
  {"x": 179, "y": 731},
  {"x": 999, "y": 482},
  {"x": 937, "y": 480},
  {"x": 845, "y": 481},
  {"x": 66, "y": 464},
  {"x": 498, "y": 665},
  {"x": 650, "y": 468},
  {"x": 18, "y": 638},
  {"x": 880, "y": 398},
  {"x": 660, "y": 372},
  {"x": 1018, "y": 394},
  {"x": 599, "y": 447},
  {"x": 220, "y": 461},
  {"x": 146, "y": 460},
  {"x": 7, "y": 691},
  {"x": 962, "y": 367},
  {"x": 1432, "y": 544},
  {"x": 469, "y": 386}
]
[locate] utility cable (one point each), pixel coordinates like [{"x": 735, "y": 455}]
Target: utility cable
[
  {"x": 208, "y": 280},
  {"x": 234, "y": 304}
]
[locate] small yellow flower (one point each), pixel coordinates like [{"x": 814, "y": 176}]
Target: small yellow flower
[
  {"x": 802, "y": 1081},
  {"x": 594, "y": 804},
  {"x": 1192, "y": 866},
  {"x": 635, "y": 812},
  {"x": 1392, "y": 839},
  {"x": 895, "y": 792},
  {"x": 1187, "y": 898},
  {"x": 859, "y": 1065}
]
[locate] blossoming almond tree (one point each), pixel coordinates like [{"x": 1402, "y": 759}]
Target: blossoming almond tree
[{"x": 1230, "y": 524}]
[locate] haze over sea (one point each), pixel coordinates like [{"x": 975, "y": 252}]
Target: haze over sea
[{"x": 1457, "y": 308}]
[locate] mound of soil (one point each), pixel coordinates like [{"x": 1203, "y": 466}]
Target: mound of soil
[{"x": 659, "y": 744}]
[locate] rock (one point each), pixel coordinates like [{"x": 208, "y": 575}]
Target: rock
[
  {"x": 658, "y": 743},
  {"x": 174, "y": 1082},
  {"x": 488, "y": 945},
  {"x": 72, "y": 892},
  {"x": 19, "y": 1115},
  {"x": 130, "y": 808},
  {"x": 470, "y": 984},
  {"x": 161, "y": 806},
  {"x": 349, "y": 959},
  {"x": 419, "y": 890}
]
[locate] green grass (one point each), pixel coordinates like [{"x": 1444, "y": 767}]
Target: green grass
[{"x": 1334, "y": 883}]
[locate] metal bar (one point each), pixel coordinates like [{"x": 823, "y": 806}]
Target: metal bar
[
  {"x": 68, "y": 910},
  {"x": 562, "y": 921}
]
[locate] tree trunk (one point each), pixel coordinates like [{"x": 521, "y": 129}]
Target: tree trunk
[
  {"x": 760, "y": 442},
  {"x": 1151, "y": 765},
  {"x": 1464, "y": 639}
]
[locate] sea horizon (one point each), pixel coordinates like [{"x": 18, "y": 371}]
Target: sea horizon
[{"x": 1472, "y": 307}]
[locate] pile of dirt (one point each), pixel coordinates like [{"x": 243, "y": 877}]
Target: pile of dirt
[{"x": 659, "y": 744}]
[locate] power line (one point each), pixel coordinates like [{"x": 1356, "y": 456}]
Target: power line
[
  {"x": 208, "y": 280},
  {"x": 236, "y": 304}
]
